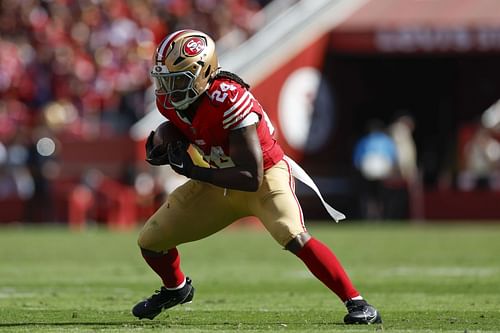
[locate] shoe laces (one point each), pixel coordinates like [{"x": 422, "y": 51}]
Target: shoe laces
[
  {"x": 356, "y": 305},
  {"x": 158, "y": 293},
  {"x": 162, "y": 292}
]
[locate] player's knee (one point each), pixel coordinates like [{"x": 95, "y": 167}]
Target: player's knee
[
  {"x": 150, "y": 236},
  {"x": 298, "y": 242},
  {"x": 142, "y": 241},
  {"x": 150, "y": 243},
  {"x": 155, "y": 240},
  {"x": 147, "y": 240}
]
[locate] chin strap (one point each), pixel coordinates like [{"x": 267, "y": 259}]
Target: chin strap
[{"x": 301, "y": 175}]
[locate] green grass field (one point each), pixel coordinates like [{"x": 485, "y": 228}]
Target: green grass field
[{"x": 422, "y": 278}]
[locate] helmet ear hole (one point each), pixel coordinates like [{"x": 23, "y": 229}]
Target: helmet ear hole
[
  {"x": 208, "y": 71},
  {"x": 178, "y": 60}
]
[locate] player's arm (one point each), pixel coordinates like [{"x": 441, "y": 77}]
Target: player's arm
[{"x": 246, "y": 154}]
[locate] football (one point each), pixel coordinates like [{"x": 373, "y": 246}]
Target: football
[{"x": 166, "y": 133}]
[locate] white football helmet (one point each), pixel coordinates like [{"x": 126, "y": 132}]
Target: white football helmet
[{"x": 183, "y": 64}]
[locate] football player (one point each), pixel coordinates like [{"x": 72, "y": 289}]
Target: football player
[{"x": 248, "y": 175}]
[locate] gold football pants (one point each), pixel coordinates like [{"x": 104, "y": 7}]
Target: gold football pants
[{"x": 197, "y": 209}]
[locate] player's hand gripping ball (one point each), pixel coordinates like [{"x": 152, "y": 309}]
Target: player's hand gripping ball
[
  {"x": 158, "y": 140},
  {"x": 179, "y": 158}
]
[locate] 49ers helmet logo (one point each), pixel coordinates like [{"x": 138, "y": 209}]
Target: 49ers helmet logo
[{"x": 194, "y": 46}]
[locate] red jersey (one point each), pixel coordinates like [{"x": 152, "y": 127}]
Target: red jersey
[{"x": 222, "y": 108}]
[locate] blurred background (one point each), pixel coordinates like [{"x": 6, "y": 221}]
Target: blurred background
[{"x": 392, "y": 106}]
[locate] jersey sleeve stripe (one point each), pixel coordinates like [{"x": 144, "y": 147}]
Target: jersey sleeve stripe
[
  {"x": 241, "y": 116},
  {"x": 238, "y": 120},
  {"x": 237, "y": 104},
  {"x": 237, "y": 111}
]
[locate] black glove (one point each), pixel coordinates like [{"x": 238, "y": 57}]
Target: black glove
[
  {"x": 155, "y": 155},
  {"x": 179, "y": 158}
]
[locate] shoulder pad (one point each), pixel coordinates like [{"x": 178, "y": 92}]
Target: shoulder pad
[{"x": 225, "y": 92}]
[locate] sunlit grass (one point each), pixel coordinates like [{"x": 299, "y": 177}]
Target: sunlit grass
[{"x": 422, "y": 278}]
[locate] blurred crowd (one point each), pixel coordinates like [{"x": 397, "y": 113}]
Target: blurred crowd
[
  {"x": 78, "y": 64},
  {"x": 81, "y": 68}
]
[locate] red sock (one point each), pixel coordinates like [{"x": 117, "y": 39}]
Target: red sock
[
  {"x": 324, "y": 265},
  {"x": 167, "y": 266}
]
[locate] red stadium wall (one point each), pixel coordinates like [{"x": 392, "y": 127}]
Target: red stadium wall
[
  {"x": 92, "y": 183},
  {"x": 268, "y": 91},
  {"x": 358, "y": 53}
]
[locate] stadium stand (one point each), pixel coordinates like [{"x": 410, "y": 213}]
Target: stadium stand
[
  {"x": 74, "y": 77},
  {"x": 74, "y": 80}
]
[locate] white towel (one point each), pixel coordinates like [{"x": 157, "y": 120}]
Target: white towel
[{"x": 301, "y": 175}]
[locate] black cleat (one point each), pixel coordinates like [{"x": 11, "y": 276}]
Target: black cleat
[
  {"x": 163, "y": 299},
  {"x": 360, "y": 312}
]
